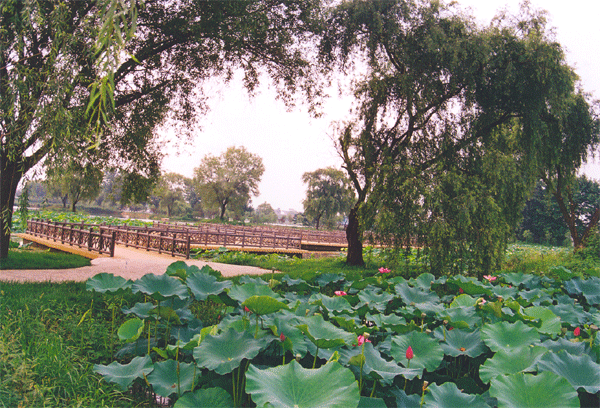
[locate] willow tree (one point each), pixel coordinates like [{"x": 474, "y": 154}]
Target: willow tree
[
  {"x": 329, "y": 195},
  {"x": 56, "y": 97},
  {"x": 437, "y": 93}
]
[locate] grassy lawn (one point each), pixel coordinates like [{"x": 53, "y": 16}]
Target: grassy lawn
[{"x": 41, "y": 259}]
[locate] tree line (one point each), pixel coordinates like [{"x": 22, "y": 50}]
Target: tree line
[{"x": 453, "y": 126}]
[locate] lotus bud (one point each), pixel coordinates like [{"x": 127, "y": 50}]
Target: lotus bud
[
  {"x": 298, "y": 357},
  {"x": 366, "y": 335},
  {"x": 445, "y": 322},
  {"x": 563, "y": 330},
  {"x": 593, "y": 328},
  {"x": 423, "y": 315},
  {"x": 428, "y": 331}
]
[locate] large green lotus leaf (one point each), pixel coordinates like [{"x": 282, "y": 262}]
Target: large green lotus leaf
[
  {"x": 124, "y": 374},
  {"x": 572, "y": 314},
  {"x": 515, "y": 361},
  {"x": 463, "y": 300},
  {"x": 165, "y": 313},
  {"x": 363, "y": 283},
  {"x": 580, "y": 371},
  {"x": 423, "y": 281},
  {"x": 324, "y": 279},
  {"x": 243, "y": 292},
  {"x": 410, "y": 295},
  {"x": 406, "y": 401},
  {"x": 469, "y": 285},
  {"x": 224, "y": 353},
  {"x": 508, "y": 336},
  {"x": 505, "y": 292},
  {"x": 427, "y": 352},
  {"x": 574, "y": 348},
  {"x": 141, "y": 310},
  {"x": 377, "y": 301},
  {"x": 459, "y": 342},
  {"x": 550, "y": 322},
  {"x": 107, "y": 282},
  {"x": 160, "y": 287},
  {"x": 348, "y": 323},
  {"x": 263, "y": 305},
  {"x": 386, "y": 371},
  {"x": 207, "y": 397},
  {"x": 448, "y": 395},
  {"x": 332, "y": 304},
  {"x": 298, "y": 285},
  {"x": 545, "y": 390},
  {"x": 131, "y": 330},
  {"x": 293, "y": 386},
  {"x": 172, "y": 377},
  {"x": 389, "y": 322},
  {"x": 535, "y": 296},
  {"x": 324, "y": 334},
  {"x": 588, "y": 288},
  {"x": 528, "y": 280},
  {"x": 461, "y": 317},
  {"x": 178, "y": 269},
  {"x": 203, "y": 285},
  {"x": 366, "y": 402}
]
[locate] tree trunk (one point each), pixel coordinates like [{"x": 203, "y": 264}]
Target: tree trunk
[
  {"x": 74, "y": 206},
  {"x": 354, "y": 238},
  {"x": 317, "y": 223},
  {"x": 9, "y": 179},
  {"x": 223, "y": 206},
  {"x": 64, "y": 200}
]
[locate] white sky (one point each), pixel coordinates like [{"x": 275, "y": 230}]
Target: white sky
[{"x": 292, "y": 143}]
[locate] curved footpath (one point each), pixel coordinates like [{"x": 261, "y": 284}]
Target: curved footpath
[{"x": 129, "y": 263}]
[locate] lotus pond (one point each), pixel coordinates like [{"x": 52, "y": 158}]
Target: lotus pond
[{"x": 513, "y": 340}]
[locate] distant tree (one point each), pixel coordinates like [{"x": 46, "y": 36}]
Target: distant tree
[
  {"x": 264, "y": 214},
  {"x": 74, "y": 181},
  {"x": 229, "y": 179},
  {"x": 170, "y": 193},
  {"x": 329, "y": 195},
  {"x": 542, "y": 220}
]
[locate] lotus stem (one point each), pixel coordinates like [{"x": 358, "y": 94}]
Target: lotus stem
[
  {"x": 315, "y": 360},
  {"x": 373, "y": 390}
]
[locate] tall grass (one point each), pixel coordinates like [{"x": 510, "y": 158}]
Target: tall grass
[{"x": 42, "y": 259}]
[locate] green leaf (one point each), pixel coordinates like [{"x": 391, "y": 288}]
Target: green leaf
[
  {"x": 515, "y": 361},
  {"x": 293, "y": 386},
  {"x": 460, "y": 342},
  {"x": 243, "y": 292},
  {"x": 508, "y": 336},
  {"x": 550, "y": 322},
  {"x": 207, "y": 397},
  {"x": 178, "y": 269},
  {"x": 324, "y": 334},
  {"x": 165, "y": 313},
  {"x": 224, "y": 353},
  {"x": 263, "y": 305},
  {"x": 172, "y": 377},
  {"x": 463, "y": 300},
  {"x": 462, "y": 317},
  {"x": 107, "y": 282},
  {"x": 371, "y": 403},
  {"x": 377, "y": 301},
  {"x": 412, "y": 295},
  {"x": 131, "y": 330},
  {"x": 202, "y": 285},
  {"x": 580, "y": 371},
  {"x": 448, "y": 395},
  {"x": 586, "y": 287},
  {"x": 160, "y": 287},
  {"x": 545, "y": 390},
  {"x": 427, "y": 352},
  {"x": 385, "y": 370},
  {"x": 335, "y": 304},
  {"x": 124, "y": 374},
  {"x": 141, "y": 310}
]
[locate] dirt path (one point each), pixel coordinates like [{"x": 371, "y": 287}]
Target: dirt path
[{"x": 128, "y": 262}]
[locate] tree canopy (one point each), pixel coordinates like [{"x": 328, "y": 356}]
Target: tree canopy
[
  {"x": 65, "y": 76},
  {"x": 329, "y": 195},
  {"x": 229, "y": 179}
]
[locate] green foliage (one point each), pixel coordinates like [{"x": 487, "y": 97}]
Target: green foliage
[
  {"x": 41, "y": 259},
  {"x": 329, "y": 196}
]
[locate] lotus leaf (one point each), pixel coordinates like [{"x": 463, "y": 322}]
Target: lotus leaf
[
  {"x": 574, "y": 348},
  {"x": 224, "y": 353},
  {"x": 160, "y": 287},
  {"x": 469, "y": 285},
  {"x": 459, "y": 342},
  {"x": 332, "y": 304},
  {"x": 545, "y": 390},
  {"x": 572, "y": 314},
  {"x": 107, "y": 282},
  {"x": 423, "y": 281},
  {"x": 461, "y": 317},
  {"x": 427, "y": 352},
  {"x": 207, "y": 397},
  {"x": 463, "y": 300},
  {"x": 550, "y": 322},
  {"x": 371, "y": 403},
  {"x": 324, "y": 334},
  {"x": 385, "y": 370},
  {"x": 172, "y": 377},
  {"x": 508, "y": 336},
  {"x": 374, "y": 300},
  {"x": 243, "y": 292},
  {"x": 410, "y": 295},
  {"x": 586, "y": 287},
  {"x": 581, "y": 371},
  {"x": 535, "y": 296},
  {"x": 263, "y": 305},
  {"x": 448, "y": 395},
  {"x": 390, "y": 322},
  {"x": 141, "y": 310},
  {"x": 131, "y": 330},
  {"x": 364, "y": 283},
  {"x": 179, "y": 270},
  {"x": 515, "y": 361},
  {"x": 124, "y": 374},
  {"x": 246, "y": 279},
  {"x": 325, "y": 278},
  {"x": 526, "y": 279},
  {"x": 505, "y": 292},
  {"x": 406, "y": 401},
  {"x": 293, "y": 386},
  {"x": 165, "y": 313},
  {"x": 202, "y": 285}
]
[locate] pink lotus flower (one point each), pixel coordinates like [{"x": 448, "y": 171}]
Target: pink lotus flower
[
  {"x": 384, "y": 270},
  {"x": 577, "y": 331},
  {"x": 460, "y": 290},
  {"x": 409, "y": 353},
  {"x": 490, "y": 277},
  {"x": 247, "y": 310},
  {"x": 340, "y": 293},
  {"x": 282, "y": 337},
  {"x": 362, "y": 339}
]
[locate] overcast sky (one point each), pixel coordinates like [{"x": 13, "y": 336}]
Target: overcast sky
[{"x": 292, "y": 143}]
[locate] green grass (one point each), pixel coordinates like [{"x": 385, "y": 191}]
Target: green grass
[{"x": 42, "y": 259}]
